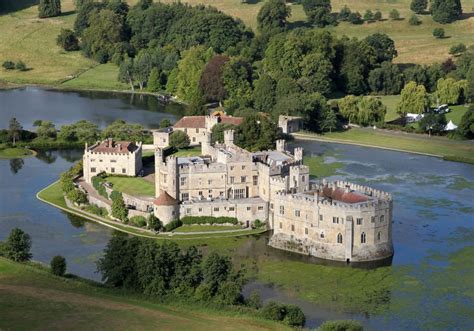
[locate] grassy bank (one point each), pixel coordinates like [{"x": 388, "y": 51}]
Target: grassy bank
[
  {"x": 422, "y": 144},
  {"x": 207, "y": 228},
  {"x": 34, "y": 299},
  {"x": 15, "y": 152},
  {"x": 101, "y": 77},
  {"x": 132, "y": 185}
]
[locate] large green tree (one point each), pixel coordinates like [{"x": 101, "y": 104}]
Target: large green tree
[
  {"x": 466, "y": 126},
  {"x": 237, "y": 77},
  {"x": 264, "y": 94},
  {"x": 272, "y": 17},
  {"x": 49, "y": 8},
  {"x": 179, "y": 139},
  {"x": 387, "y": 79},
  {"x": 418, "y": 6},
  {"x": 14, "y": 130},
  {"x": 318, "y": 12},
  {"x": 18, "y": 246},
  {"x": 450, "y": 91},
  {"x": 383, "y": 45},
  {"x": 414, "y": 99},
  {"x": 446, "y": 11}
]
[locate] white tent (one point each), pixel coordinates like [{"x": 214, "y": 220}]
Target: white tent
[{"x": 450, "y": 126}]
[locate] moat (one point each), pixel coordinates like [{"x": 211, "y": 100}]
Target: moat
[{"x": 428, "y": 285}]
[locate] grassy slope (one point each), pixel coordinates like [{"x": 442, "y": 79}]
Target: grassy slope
[
  {"x": 413, "y": 143},
  {"x": 34, "y": 299},
  {"x": 132, "y": 185},
  {"x": 11, "y": 153},
  {"x": 103, "y": 76}
]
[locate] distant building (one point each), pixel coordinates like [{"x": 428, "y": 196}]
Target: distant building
[
  {"x": 112, "y": 157},
  {"x": 290, "y": 124}
]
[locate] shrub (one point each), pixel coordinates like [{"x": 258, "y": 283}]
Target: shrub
[
  {"x": 273, "y": 311},
  {"x": 172, "y": 225},
  {"x": 98, "y": 184},
  {"x": 188, "y": 220},
  {"x": 139, "y": 221},
  {"x": 119, "y": 210},
  {"x": 179, "y": 139},
  {"x": 394, "y": 14},
  {"x": 8, "y": 65},
  {"x": 67, "y": 40},
  {"x": 18, "y": 245},
  {"x": 49, "y": 8},
  {"x": 254, "y": 300},
  {"x": 414, "y": 20},
  {"x": 456, "y": 50},
  {"x": 154, "y": 223},
  {"x": 67, "y": 185},
  {"x": 344, "y": 13},
  {"x": 58, "y": 265},
  {"x": 355, "y": 18},
  {"x": 294, "y": 316},
  {"x": 77, "y": 196},
  {"x": 94, "y": 209},
  {"x": 439, "y": 33},
  {"x": 341, "y": 325},
  {"x": 378, "y": 15},
  {"x": 229, "y": 293},
  {"x": 20, "y": 65},
  {"x": 258, "y": 224},
  {"x": 114, "y": 195}
]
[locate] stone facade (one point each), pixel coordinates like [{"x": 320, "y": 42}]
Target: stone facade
[
  {"x": 112, "y": 157},
  {"x": 290, "y": 124},
  {"x": 337, "y": 221}
]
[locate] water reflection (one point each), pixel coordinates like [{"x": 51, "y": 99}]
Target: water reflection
[{"x": 16, "y": 165}]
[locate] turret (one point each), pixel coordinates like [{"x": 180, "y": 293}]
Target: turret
[
  {"x": 281, "y": 145},
  {"x": 229, "y": 137},
  {"x": 299, "y": 154}
]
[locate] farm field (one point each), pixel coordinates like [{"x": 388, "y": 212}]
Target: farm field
[{"x": 32, "y": 298}]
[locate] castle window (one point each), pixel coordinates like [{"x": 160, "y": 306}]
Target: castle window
[
  {"x": 339, "y": 238},
  {"x": 184, "y": 196},
  {"x": 112, "y": 169},
  {"x": 372, "y": 219},
  {"x": 200, "y": 193},
  {"x": 124, "y": 171},
  {"x": 297, "y": 213},
  {"x": 359, "y": 221},
  {"x": 200, "y": 209},
  {"x": 305, "y": 230},
  {"x": 292, "y": 227},
  {"x": 260, "y": 207},
  {"x": 216, "y": 208},
  {"x": 231, "y": 208},
  {"x": 93, "y": 169},
  {"x": 381, "y": 218},
  {"x": 243, "y": 179},
  {"x": 322, "y": 235},
  {"x": 209, "y": 182},
  {"x": 197, "y": 130},
  {"x": 239, "y": 193},
  {"x": 113, "y": 161},
  {"x": 282, "y": 210},
  {"x": 100, "y": 160},
  {"x": 320, "y": 217},
  {"x": 194, "y": 139},
  {"x": 281, "y": 225},
  {"x": 232, "y": 168},
  {"x": 335, "y": 220},
  {"x": 92, "y": 160},
  {"x": 249, "y": 208},
  {"x": 232, "y": 179},
  {"x": 243, "y": 167},
  {"x": 302, "y": 179},
  {"x": 362, "y": 238},
  {"x": 378, "y": 236},
  {"x": 182, "y": 181},
  {"x": 255, "y": 180},
  {"x": 188, "y": 211}
]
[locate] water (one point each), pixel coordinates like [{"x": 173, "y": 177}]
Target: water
[
  {"x": 31, "y": 103},
  {"x": 433, "y": 225}
]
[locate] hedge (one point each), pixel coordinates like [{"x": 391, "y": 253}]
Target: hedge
[
  {"x": 139, "y": 221},
  {"x": 98, "y": 184},
  {"x": 172, "y": 225},
  {"x": 94, "y": 209},
  {"x": 188, "y": 220}
]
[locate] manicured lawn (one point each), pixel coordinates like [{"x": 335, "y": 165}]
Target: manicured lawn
[
  {"x": 192, "y": 151},
  {"x": 103, "y": 76},
  {"x": 53, "y": 194},
  {"x": 391, "y": 102},
  {"x": 34, "y": 299},
  {"x": 132, "y": 185},
  {"x": 15, "y": 152},
  {"x": 441, "y": 146},
  {"x": 456, "y": 113},
  {"x": 205, "y": 228}
]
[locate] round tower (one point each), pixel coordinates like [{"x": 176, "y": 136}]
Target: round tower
[{"x": 166, "y": 208}]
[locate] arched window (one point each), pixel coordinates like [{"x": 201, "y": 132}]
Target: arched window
[
  {"x": 378, "y": 236},
  {"x": 339, "y": 238},
  {"x": 382, "y": 218},
  {"x": 322, "y": 235},
  {"x": 362, "y": 238}
]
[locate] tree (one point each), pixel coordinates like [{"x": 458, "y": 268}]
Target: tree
[
  {"x": 142, "y": 67},
  {"x": 217, "y": 131},
  {"x": 470, "y": 85},
  {"x": 414, "y": 20},
  {"x": 165, "y": 123},
  {"x": 67, "y": 40},
  {"x": 216, "y": 270},
  {"x": 466, "y": 126},
  {"x": 179, "y": 139},
  {"x": 355, "y": 18},
  {"x": 20, "y": 65},
  {"x": 433, "y": 123},
  {"x": 318, "y": 12},
  {"x": 371, "y": 111},
  {"x": 414, "y": 99},
  {"x": 386, "y": 80},
  {"x": 121, "y": 130},
  {"x": 153, "y": 223},
  {"x": 294, "y": 316},
  {"x": 237, "y": 77},
  {"x": 154, "y": 80},
  {"x": 272, "y": 17},
  {"x": 58, "y": 265},
  {"x": 46, "y": 129},
  {"x": 254, "y": 301},
  {"x": 348, "y": 107},
  {"x": 126, "y": 72},
  {"x": 119, "y": 210},
  {"x": 273, "y": 311},
  {"x": 84, "y": 12},
  {"x": 18, "y": 246},
  {"x": 445, "y": 11},
  {"x": 383, "y": 46},
  {"x": 378, "y": 15},
  {"x": 264, "y": 94},
  {"x": 449, "y": 91},
  {"x": 49, "y": 8},
  {"x": 211, "y": 83},
  {"x": 14, "y": 130},
  {"x": 394, "y": 14},
  {"x": 329, "y": 122},
  {"x": 8, "y": 65},
  {"x": 368, "y": 16},
  {"x": 344, "y": 14},
  {"x": 458, "y": 49},
  {"x": 318, "y": 70},
  {"x": 418, "y": 6},
  {"x": 438, "y": 33}
]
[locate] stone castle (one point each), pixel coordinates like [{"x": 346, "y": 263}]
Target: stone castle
[{"x": 336, "y": 221}]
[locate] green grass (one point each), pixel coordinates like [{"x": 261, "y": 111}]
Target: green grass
[
  {"x": 32, "y": 298},
  {"x": 15, "y": 152},
  {"x": 191, "y": 151},
  {"x": 440, "y": 146},
  {"x": 456, "y": 113},
  {"x": 391, "y": 102},
  {"x": 318, "y": 168},
  {"x": 205, "y": 228},
  {"x": 132, "y": 185},
  {"x": 53, "y": 194},
  {"x": 103, "y": 76}
]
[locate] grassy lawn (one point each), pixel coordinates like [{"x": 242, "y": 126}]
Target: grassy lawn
[
  {"x": 456, "y": 113},
  {"x": 30, "y": 39},
  {"x": 192, "y": 151},
  {"x": 202, "y": 228},
  {"x": 53, "y": 194},
  {"x": 34, "y": 299},
  {"x": 391, "y": 102},
  {"x": 102, "y": 76},
  {"x": 15, "y": 152},
  {"x": 406, "y": 142},
  {"x": 132, "y": 185}
]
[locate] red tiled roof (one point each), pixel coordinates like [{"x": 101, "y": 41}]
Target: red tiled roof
[
  {"x": 165, "y": 200},
  {"x": 195, "y": 122},
  {"x": 340, "y": 194},
  {"x": 110, "y": 146}
]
